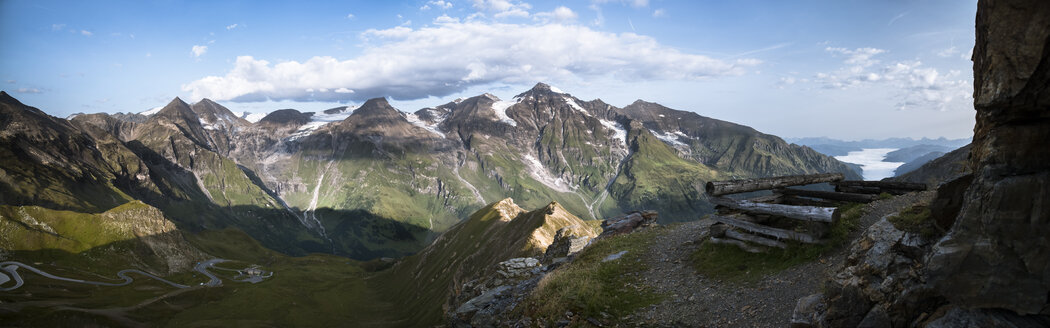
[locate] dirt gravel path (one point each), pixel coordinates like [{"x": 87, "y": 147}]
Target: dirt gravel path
[{"x": 697, "y": 301}]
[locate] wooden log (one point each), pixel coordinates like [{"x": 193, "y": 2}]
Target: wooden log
[
  {"x": 754, "y": 239},
  {"x": 859, "y": 190},
  {"x": 804, "y": 213},
  {"x": 910, "y": 186},
  {"x": 743, "y": 246},
  {"x": 766, "y": 199},
  {"x": 768, "y": 231},
  {"x": 840, "y": 196},
  {"x": 718, "y": 188},
  {"x": 800, "y": 201}
]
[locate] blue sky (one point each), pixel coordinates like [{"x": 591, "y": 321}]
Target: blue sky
[{"x": 844, "y": 69}]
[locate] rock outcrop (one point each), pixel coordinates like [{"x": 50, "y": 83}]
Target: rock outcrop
[
  {"x": 998, "y": 253},
  {"x": 992, "y": 268}
]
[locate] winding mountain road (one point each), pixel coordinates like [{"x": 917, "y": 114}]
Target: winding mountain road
[{"x": 8, "y": 272}]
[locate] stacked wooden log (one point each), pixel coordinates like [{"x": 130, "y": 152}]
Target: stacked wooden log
[{"x": 788, "y": 214}]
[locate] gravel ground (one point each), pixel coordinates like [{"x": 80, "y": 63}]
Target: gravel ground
[{"x": 696, "y": 301}]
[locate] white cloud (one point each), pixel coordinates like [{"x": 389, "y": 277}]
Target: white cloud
[
  {"x": 349, "y": 16},
  {"x": 659, "y": 13},
  {"x": 86, "y": 33},
  {"x": 406, "y": 63},
  {"x": 57, "y": 27},
  {"x": 917, "y": 86},
  {"x": 503, "y": 8},
  {"x": 28, "y": 90},
  {"x": 632, "y": 3},
  {"x": 437, "y": 4},
  {"x": 198, "y": 50},
  {"x": 948, "y": 52},
  {"x": 445, "y": 19},
  {"x": 859, "y": 56},
  {"x": 561, "y": 14},
  {"x": 230, "y": 27}
]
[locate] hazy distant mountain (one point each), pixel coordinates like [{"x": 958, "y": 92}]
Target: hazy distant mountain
[
  {"x": 937, "y": 170},
  {"x": 834, "y": 146},
  {"x": 912, "y": 153}
]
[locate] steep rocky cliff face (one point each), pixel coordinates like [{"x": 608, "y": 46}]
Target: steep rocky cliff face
[
  {"x": 998, "y": 253},
  {"x": 992, "y": 267}
]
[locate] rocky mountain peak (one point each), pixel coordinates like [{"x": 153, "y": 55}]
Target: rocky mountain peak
[
  {"x": 287, "y": 116},
  {"x": 507, "y": 209},
  {"x": 177, "y": 108},
  {"x": 217, "y": 115},
  {"x": 539, "y": 90},
  {"x": 376, "y": 107}
]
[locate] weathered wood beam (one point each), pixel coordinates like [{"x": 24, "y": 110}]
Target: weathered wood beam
[
  {"x": 911, "y": 186},
  {"x": 755, "y": 239},
  {"x": 718, "y": 188},
  {"x": 800, "y": 201},
  {"x": 840, "y": 196},
  {"x": 766, "y": 199},
  {"x": 804, "y": 213},
  {"x": 861, "y": 190},
  {"x": 768, "y": 231},
  {"x": 742, "y": 245}
]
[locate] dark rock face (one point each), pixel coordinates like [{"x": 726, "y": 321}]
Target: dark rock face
[
  {"x": 992, "y": 268},
  {"x": 565, "y": 244},
  {"x": 998, "y": 253},
  {"x": 950, "y": 196}
]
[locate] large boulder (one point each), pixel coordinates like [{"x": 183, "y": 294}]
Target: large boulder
[
  {"x": 998, "y": 253},
  {"x": 566, "y": 243},
  {"x": 627, "y": 223}
]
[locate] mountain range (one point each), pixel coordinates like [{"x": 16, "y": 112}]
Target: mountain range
[{"x": 373, "y": 181}]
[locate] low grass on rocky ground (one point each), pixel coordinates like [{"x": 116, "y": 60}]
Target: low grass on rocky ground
[
  {"x": 730, "y": 263},
  {"x": 593, "y": 288},
  {"x": 916, "y": 219}
]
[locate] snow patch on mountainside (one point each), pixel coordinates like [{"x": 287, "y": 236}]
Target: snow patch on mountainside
[
  {"x": 412, "y": 118},
  {"x": 619, "y": 133},
  {"x": 152, "y": 111},
  {"x": 540, "y": 173},
  {"x": 572, "y": 103},
  {"x": 500, "y": 107},
  {"x": 670, "y": 138},
  {"x": 319, "y": 120},
  {"x": 254, "y": 117}
]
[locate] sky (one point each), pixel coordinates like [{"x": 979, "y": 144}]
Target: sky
[{"x": 846, "y": 69}]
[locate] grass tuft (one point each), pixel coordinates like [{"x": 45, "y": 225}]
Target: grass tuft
[
  {"x": 916, "y": 219},
  {"x": 587, "y": 286}
]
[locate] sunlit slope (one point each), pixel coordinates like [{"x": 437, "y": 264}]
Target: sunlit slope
[{"x": 499, "y": 231}]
